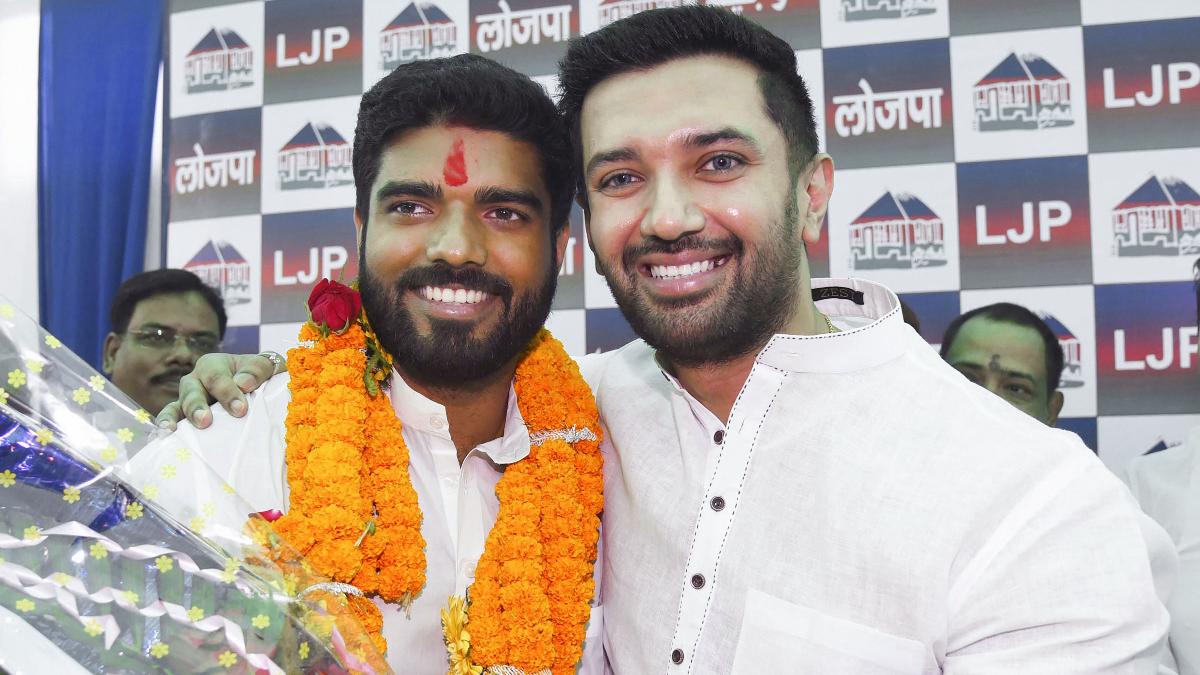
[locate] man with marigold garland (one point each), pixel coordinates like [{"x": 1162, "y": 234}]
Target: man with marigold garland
[
  {"x": 432, "y": 441},
  {"x": 777, "y": 498}
]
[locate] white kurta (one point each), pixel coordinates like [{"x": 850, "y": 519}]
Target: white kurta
[
  {"x": 865, "y": 510},
  {"x": 1167, "y": 485},
  {"x": 458, "y": 504}
]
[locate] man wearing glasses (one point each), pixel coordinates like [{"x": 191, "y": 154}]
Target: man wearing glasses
[{"x": 162, "y": 321}]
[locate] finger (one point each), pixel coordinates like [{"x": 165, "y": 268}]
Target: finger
[
  {"x": 217, "y": 378},
  {"x": 193, "y": 401},
  {"x": 169, "y": 416},
  {"x": 254, "y": 370}
]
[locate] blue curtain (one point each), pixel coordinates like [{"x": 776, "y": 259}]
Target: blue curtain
[{"x": 99, "y": 71}]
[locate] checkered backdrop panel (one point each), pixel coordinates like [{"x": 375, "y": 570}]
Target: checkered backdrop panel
[{"x": 1042, "y": 152}]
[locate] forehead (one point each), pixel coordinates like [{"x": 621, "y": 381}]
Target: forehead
[
  {"x": 184, "y": 311},
  {"x": 491, "y": 157},
  {"x": 1017, "y": 346},
  {"x": 694, "y": 93}
]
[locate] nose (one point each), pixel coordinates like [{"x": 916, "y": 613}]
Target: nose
[
  {"x": 181, "y": 351},
  {"x": 457, "y": 239},
  {"x": 673, "y": 213}
]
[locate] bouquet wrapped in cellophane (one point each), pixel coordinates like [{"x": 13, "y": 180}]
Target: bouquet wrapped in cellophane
[{"x": 95, "y": 576}]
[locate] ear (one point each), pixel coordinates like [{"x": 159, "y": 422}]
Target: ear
[
  {"x": 358, "y": 229},
  {"x": 112, "y": 342},
  {"x": 1054, "y": 406},
  {"x": 817, "y": 184},
  {"x": 560, "y": 244}
]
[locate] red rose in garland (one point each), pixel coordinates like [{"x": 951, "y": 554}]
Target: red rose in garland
[{"x": 334, "y": 305}]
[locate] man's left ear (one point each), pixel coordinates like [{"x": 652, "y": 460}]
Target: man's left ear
[
  {"x": 817, "y": 183},
  {"x": 112, "y": 342},
  {"x": 561, "y": 239},
  {"x": 1055, "y": 404}
]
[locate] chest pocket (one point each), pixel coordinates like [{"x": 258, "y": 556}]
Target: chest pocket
[{"x": 782, "y": 637}]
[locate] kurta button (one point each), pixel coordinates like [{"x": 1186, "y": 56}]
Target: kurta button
[
  {"x": 677, "y": 656},
  {"x": 697, "y": 581},
  {"x": 717, "y": 503},
  {"x": 719, "y": 436}
]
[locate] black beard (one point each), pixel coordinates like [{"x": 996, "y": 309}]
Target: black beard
[
  {"x": 451, "y": 356},
  {"x": 758, "y": 303}
]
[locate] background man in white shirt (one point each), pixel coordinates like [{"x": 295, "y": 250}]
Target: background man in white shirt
[
  {"x": 1011, "y": 352},
  {"x": 1167, "y": 485},
  {"x": 463, "y": 195},
  {"x": 796, "y": 482}
]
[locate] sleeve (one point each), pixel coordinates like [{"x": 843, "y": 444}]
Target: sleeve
[
  {"x": 1062, "y": 586},
  {"x": 217, "y": 476},
  {"x": 593, "y": 662}
]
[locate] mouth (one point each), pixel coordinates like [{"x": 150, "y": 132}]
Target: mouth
[
  {"x": 454, "y": 301},
  {"x": 678, "y": 276}
]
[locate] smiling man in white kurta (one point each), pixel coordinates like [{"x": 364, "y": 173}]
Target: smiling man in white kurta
[{"x": 798, "y": 482}]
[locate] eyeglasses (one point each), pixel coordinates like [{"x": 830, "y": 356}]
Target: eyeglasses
[{"x": 163, "y": 338}]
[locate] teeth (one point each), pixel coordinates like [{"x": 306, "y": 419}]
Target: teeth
[
  {"x": 457, "y": 296},
  {"x": 675, "y": 271}
]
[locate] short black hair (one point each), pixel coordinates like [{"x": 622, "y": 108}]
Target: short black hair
[
  {"x": 150, "y": 284},
  {"x": 654, "y": 37},
  {"x": 1007, "y": 312},
  {"x": 470, "y": 91}
]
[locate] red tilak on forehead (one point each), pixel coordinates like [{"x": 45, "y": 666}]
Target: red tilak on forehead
[{"x": 455, "y": 169}]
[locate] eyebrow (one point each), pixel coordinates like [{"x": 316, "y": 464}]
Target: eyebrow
[
  {"x": 491, "y": 194},
  {"x": 691, "y": 141},
  {"x": 408, "y": 188},
  {"x": 1007, "y": 373}
]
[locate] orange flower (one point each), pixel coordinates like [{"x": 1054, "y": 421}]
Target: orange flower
[{"x": 347, "y": 468}]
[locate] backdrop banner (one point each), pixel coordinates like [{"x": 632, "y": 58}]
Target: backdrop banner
[{"x": 1041, "y": 152}]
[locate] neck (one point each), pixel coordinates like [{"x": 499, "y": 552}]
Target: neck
[
  {"x": 476, "y": 411},
  {"x": 717, "y": 385}
]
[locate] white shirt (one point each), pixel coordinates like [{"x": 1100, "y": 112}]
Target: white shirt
[
  {"x": 1167, "y": 485},
  {"x": 865, "y": 510},
  {"x": 458, "y": 504}
]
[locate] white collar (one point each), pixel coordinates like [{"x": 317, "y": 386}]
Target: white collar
[
  {"x": 871, "y": 331},
  {"x": 427, "y": 416}
]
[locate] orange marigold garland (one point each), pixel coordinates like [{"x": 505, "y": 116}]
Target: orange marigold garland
[{"x": 354, "y": 514}]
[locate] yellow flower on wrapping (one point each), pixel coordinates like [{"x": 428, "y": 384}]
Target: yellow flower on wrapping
[
  {"x": 183, "y": 454},
  {"x": 261, "y": 621},
  {"x": 131, "y": 596},
  {"x": 60, "y": 578},
  {"x": 168, "y": 471},
  {"x": 159, "y": 650},
  {"x": 45, "y": 436},
  {"x": 141, "y": 416},
  {"x": 133, "y": 511},
  {"x": 227, "y": 659},
  {"x": 3, "y": 396},
  {"x": 7, "y": 478},
  {"x": 25, "y": 605},
  {"x": 96, "y": 383},
  {"x": 195, "y": 614},
  {"x": 303, "y": 650},
  {"x": 208, "y": 509},
  {"x": 81, "y": 396},
  {"x": 53, "y": 342},
  {"x": 32, "y": 532},
  {"x": 124, "y": 434},
  {"x": 93, "y": 627},
  {"x": 17, "y": 378},
  {"x": 230, "y": 572},
  {"x": 458, "y": 640},
  {"x": 108, "y": 454},
  {"x": 151, "y": 491},
  {"x": 34, "y": 365},
  {"x": 71, "y": 495},
  {"x": 164, "y": 563},
  {"x": 6, "y": 311},
  {"x": 98, "y": 551},
  {"x": 197, "y": 523}
]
